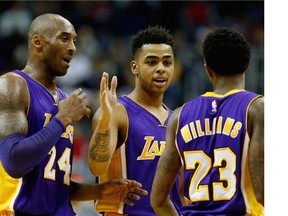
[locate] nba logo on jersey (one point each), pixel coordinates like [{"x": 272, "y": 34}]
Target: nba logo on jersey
[{"x": 214, "y": 106}]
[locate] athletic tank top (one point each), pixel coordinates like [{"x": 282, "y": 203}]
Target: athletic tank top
[
  {"x": 137, "y": 158},
  {"x": 44, "y": 190},
  {"x": 213, "y": 143}
]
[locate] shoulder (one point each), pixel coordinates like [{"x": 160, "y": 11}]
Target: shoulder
[
  {"x": 11, "y": 77},
  {"x": 13, "y": 90},
  {"x": 12, "y": 81},
  {"x": 120, "y": 114},
  {"x": 256, "y": 107},
  {"x": 174, "y": 117},
  {"x": 256, "y": 115}
]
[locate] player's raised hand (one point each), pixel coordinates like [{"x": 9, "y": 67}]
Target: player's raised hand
[
  {"x": 73, "y": 108},
  {"x": 123, "y": 190},
  {"x": 108, "y": 97}
]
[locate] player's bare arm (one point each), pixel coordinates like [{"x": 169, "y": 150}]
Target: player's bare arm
[
  {"x": 256, "y": 149},
  {"x": 14, "y": 100},
  {"x": 103, "y": 141},
  {"x": 168, "y": 167}
]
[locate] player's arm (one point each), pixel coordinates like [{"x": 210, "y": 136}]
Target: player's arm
[
  {"x": 256, "y": 147},
  {"x": 20, "y": 154},
  {"x": 104, "y": 126},
  {"x": 13, "y": 106},
  {"x": 167, "y": 170},
  {"x": 121, "y": 190}
]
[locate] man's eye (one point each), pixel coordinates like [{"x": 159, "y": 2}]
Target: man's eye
[
  {"x": 167, "y": 63},
  {"x": 151, "y": 62},
  {"x": 65, "y": 39}
]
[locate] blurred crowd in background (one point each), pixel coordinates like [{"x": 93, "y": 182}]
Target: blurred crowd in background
[{"x": 104, "y": 31}]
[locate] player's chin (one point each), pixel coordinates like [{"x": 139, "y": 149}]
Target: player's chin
[{"x": 61, "y": 73}]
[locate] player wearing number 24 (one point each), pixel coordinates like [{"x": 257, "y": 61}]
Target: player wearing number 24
[
  {"x": 218, "y": 137},
  {"x": 36, "y": 130}
]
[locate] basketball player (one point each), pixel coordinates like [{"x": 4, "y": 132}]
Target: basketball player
[
  {"x": 129, "y": 135},
  {"x": 36, "y": 130},
  {"x": 218, "y": 137}
]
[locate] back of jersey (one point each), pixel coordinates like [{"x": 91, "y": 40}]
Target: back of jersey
[{"x": 213, "y": 142}]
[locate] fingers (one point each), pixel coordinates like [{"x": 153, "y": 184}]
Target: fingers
[
  {"x": 128, "y": 202},
  {"x": 136, "y": 187},
  {"x": 129, "y": 198},
  {"x": 136, "y": 190},
  {"x": 88, "y": 112},
  {"x": 114, "y": 83},
  {"x": 104, "y": 81},
  {"x": 82, "y": 95},
  {"x": 104, "y": 84},
  {"x": 133, "y": 183},
  {"x": 77, "y": 91}
]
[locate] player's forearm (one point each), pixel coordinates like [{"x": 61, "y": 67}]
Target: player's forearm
[
  {"x": 99, "y": 152},
  {"x": 20, "y": 154},
  {"x": 256, "y": 165},
  {"x": 84, "y": 191}
]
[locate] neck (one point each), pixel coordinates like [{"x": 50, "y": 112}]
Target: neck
[
  {"x": 147, "y": 100},
  {"x": 225, "y": 84},
  {"x": 40, "y": 75}
]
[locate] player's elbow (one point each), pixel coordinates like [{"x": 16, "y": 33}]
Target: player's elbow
[
  {"x": 13, "y": 173},
  {"x": 14, "y": 170},
  {"x": 97, "y": 168},
  {"x": 260, "y": 198},
  {"x": 155, "y": 201}
]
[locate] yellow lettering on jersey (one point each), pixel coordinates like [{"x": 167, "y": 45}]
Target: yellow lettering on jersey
[
  {"x": 186, "y": 135},
  {"x": 68, "y": 134},
  {"x": 228, "y": 126},
  {"x": 162, "y": 147},
  {"x": 192, "y": 127},
  {"x": 237, "y": 127},
  {"x": 214, "y": 125},
  {"x": 47, "y": 119},
  {"x": 199, "y": 128},
  {"x": 151, "y": 148},
  {"x": 207, "y": 127},
  {"x": 219, "y": 125}
]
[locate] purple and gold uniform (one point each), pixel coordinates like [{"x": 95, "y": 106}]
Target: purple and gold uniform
[
  {"x": 213, "y": 142},
  {"x": 45, "y": 189},
  {"x": 137, "y": 158}
]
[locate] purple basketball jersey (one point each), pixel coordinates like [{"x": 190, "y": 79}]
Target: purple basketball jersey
[
  {"x": 45, "y": 190},
  {"x": 213, "y": 142}
]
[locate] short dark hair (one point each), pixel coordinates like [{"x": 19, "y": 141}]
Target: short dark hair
[
  {"x": 226, "y": 51},
  {"x": 151, "y": 35}
]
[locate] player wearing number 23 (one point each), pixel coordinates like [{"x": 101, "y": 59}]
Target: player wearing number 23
[{"x": 218, "y": 138}]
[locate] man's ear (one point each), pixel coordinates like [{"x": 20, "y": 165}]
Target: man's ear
[
  {"x": 134, "y": 67},
  {"x": 209, "y": 71},
  {"x": 37, "y": 41}
]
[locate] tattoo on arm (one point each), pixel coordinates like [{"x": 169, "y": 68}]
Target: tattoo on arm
[
  {"x": 100, "y": 149},
  {"x": 10, "y": 112}
]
